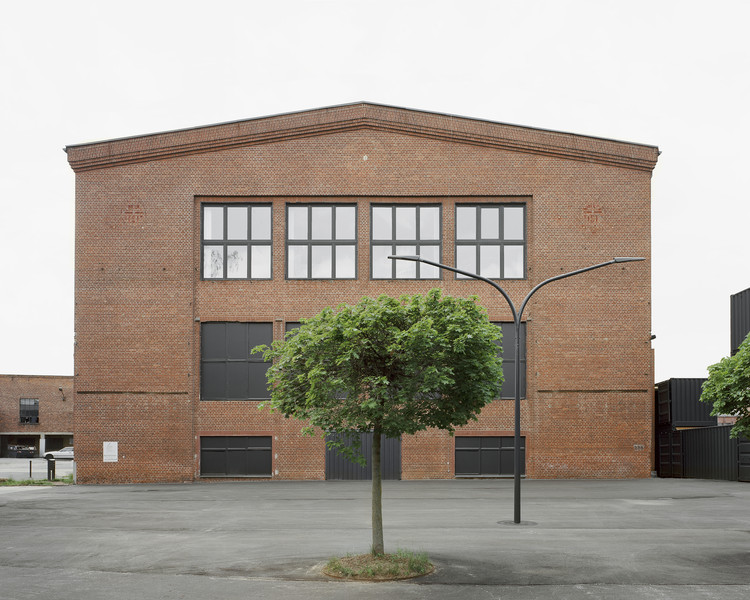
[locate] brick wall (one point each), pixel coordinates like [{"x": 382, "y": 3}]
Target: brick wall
[
  {"x": 55, "y": 414},
  {"x": 140, "y": 299}
]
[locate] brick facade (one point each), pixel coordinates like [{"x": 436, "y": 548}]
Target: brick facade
[
  {"x": 140, "y": 298},
  {"x": 54, "y": 428}
]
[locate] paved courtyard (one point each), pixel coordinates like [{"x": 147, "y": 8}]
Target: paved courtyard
[{"x": 652, "y": 538}]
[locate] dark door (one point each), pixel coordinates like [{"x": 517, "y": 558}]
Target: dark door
[
  {"x": 743, "y": 455},
  {"x": 670, "y": 454},
  {"x": 341, "y": 468}
]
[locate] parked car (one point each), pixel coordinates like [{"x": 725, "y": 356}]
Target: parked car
[
  {"x": 63, "y": 454},
  {"x": 19, "y": 451}
]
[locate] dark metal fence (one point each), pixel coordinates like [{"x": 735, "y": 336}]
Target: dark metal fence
[{"x": 704, "y": 453}]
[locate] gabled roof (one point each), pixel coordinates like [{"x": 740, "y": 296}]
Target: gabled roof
[{"x": 354, "y": 117}]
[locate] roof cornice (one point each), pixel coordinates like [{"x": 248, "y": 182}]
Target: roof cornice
[{"x": 354, "y": 117}]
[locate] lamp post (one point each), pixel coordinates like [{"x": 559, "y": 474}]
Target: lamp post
[{"x": 517, "y": 325}]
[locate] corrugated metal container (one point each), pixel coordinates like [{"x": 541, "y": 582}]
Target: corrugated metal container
[
  {"x": 678, "y": 404},
  {"x": 740, "y": 318},
  {"x": 709, "y": 453}
]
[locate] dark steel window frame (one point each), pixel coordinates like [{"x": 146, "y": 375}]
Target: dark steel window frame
[
  {"x": 417, "y": 243},
  {"x": 508, "y": 345},
  {"x": 249, "y": 359},
  {"x": 28, "y": 410},
  {"x": 332, "y": 243},
  {"x": 481, "y": 451},
  {"x": 225, "y": 242},
  {"x": 478, "y": 241},
  {"x": 259, "y": 447}
]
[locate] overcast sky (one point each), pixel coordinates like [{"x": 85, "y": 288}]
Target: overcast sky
[{"x": 675, "y": 74}]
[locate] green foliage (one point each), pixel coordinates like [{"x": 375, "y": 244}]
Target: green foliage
[
  {"x": 728, "y": 388},
  {"x": 394, "y": 365}
]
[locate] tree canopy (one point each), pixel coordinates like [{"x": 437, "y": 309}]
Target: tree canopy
[
  {"x": 728, "y": 388},
  {"x": 389, "y": 366}
]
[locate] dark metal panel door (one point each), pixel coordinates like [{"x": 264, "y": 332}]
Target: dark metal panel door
[
  {"x": 670, "y": 454},
  {"x": 338, "y": 467},
  {"x": 743, "y": 457}
]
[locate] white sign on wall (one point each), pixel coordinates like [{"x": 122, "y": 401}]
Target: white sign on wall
[{"x": 109, "y": 451}]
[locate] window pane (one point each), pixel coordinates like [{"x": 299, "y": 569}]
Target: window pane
[
  {"x": 213, "y": 381},
  {"x": 213, "y": 262},
  {"x": 213, "y": 223},
  {"x": 322, "y": 267},
  {"x": 406, "y": 269},
  {"x": 381, "y": 223},
  {"x": 237, "y": 380},
  {"x": 513, "y": 223},
  {"x": 236, "y": 341},
  {"x": 237, "y": 262},
  {"x": 259, "y": 333},
  {"x": 297, "y": 226},
  {"x": 322, "y": 223},
  {"x": 297, "y": 267},
  {"x": 490, "y": 218},
  {"x": 261, "y": 223},
  {"x": 345, "y": 262},
  {"x": 466, "y": 259},
  {"x": 258, "y": 381},
  {"x": 428, "y": 271},
  {"x": 260, "y": 265},
  {"x": 489, "y": 261},
  {"x": 382, "y": 266},
  {"x": 406, "y": 223},
  {"x": 213, "y": 340},
  {"x": 237, "y": 222},
  {"x": 429, "y": 223},
  {"x": 513, "y": 262},
  {"x": 466, "y": 223},
  {"x": 345, "y": 222}
]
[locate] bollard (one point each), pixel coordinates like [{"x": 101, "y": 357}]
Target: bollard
[
  {"x": 50, "y": 469},
  {"x": 30, "y": 476}
]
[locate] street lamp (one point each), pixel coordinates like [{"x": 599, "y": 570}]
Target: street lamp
[{"x": 517, "y": 324}]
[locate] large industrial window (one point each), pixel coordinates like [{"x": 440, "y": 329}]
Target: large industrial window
[
  {"x": 405, "y": 230},
  {"x": 229, "y": 370},
  {"x": 321, "y": 241},
  {"x": 487, "y": 456},
  {"x": 29, "y": 410},
  {"x": 508, "y": 344},
  {"x": 236, "y": 456},
  {"x": 491, "y": 240},
  {"x": 236, "y": 241}
]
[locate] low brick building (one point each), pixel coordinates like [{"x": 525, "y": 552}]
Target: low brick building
[
  {"x": 193, "y": 246},
  {"x": 36, "y": 414}
]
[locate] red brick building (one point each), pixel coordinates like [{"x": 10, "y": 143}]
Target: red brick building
[
  {"x": 192, "y": 246},
  {"x": 36, "y": 414}
]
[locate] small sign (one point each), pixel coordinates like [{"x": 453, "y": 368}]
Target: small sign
[{"x": 110, "y": 451}]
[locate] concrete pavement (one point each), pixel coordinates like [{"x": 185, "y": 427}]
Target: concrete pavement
[
  {"x": 583, "y": 539},
  {"x": 19, "y": 468}
]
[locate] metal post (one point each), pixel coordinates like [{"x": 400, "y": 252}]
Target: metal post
[{"x": 517, "y": 325}]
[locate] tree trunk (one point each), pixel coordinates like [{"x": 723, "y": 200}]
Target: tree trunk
[{"x": 377, "y": 494}]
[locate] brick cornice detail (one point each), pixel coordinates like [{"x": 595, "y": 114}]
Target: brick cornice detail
[{"x": 327, "y": 121}]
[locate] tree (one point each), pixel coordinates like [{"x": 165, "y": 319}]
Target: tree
[
  {"x": 728, "y": 388},
  {"x": 387, "y": 366}
]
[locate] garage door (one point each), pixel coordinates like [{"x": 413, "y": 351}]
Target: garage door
[
  {"x": 236, "y": 456},
  {"x": 339, "y": 467},
  {"x": 487, "y": 456}
]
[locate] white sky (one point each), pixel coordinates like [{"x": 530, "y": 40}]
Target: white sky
[{"x": 671, "y": 73}]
